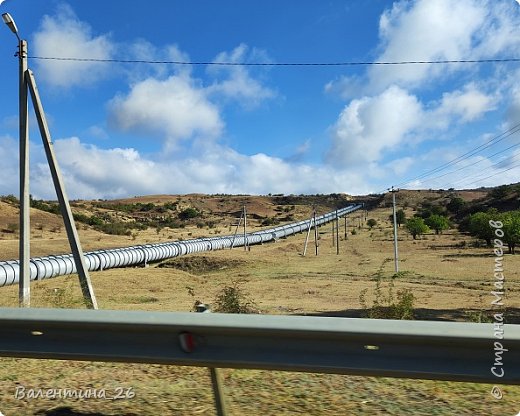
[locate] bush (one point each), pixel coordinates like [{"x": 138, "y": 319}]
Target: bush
[
  {"x": 371, "y": 223},
  {"x": 12, "y": 227},
  {"x": 10, "y": 199},
  {"x": 233, "y": 299},
  {"x": 189, "y": 213},
  {"x": 455, "y": 205},
  {"x": 270, "y": 221},
  {"x": 500, "y": 192},
  {"x": 384, "y": 306}
]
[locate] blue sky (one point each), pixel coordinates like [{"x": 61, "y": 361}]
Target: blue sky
[{"x": 125, "y": 129}]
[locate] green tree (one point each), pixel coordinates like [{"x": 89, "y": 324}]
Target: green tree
[
  {"x": 478, "y": 225},
  {"x": 437, "y": 223},
  {"x": 511, "y": 228},
  {"x": 371, "y": 223},
  {"x": 455, "y": 205},
  {"x": 500, "y": 192},
  {"x": 189, "y": 213},
  {"x": 428, "y": 209},
  {"x": 400, "y": 217},
  {"x": 416, "y": 226}
]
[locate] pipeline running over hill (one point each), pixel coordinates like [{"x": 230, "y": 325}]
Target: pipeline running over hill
[{"x": 60, "y": 265}]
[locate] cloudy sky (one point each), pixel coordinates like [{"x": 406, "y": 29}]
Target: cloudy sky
[{"x": 122, "y": 129}]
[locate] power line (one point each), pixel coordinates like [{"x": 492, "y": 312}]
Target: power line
[
  {"x": 352, "y": 63},
  {"x": 495, "y": 174},
  {"x": 497, "y": 139},
  {"x": 472, "y": 164}
]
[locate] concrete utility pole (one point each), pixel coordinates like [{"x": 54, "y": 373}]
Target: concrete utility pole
[
  {"x": 26, "y": 83},
  {"x": 66, "y": 212},
  {"x": 337, "y": 233},
  {"x": 246, "y": 246},
  {"x": 25, "y": 203},
  {"x": 396, "y": 254},
  {"x": 307, "y": 236},
  {"x": 24, "y": 284},
  {"x": 316, "y": 233},
  {"x": 237, "y": 227}
]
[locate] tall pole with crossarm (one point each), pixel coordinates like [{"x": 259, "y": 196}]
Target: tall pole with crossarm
[{"x": 24, "y": 245}]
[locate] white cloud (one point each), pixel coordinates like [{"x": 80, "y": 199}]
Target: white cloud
[
  {"x": 64, "y": 36},
  {"x": 176, "y": 109},
  {"x": 9, "y": 156},
  {"x": 143, "y": 50},
  {"x": 513, "y": 111},
  {"x": 92, "y": 172},
  {"x": 426, "y": 30},
  {"x": 468, "y": 104},
  {"x": 386, "y": 115},
  {"x": 235, "y": 82},
  {"x": 400, "y": 166},
  {"x": 179, "y": 107},
  {"x": 97, "y": 132},
  {"x": 370, "y": 125},
  {"x": 300, "y": 152},
  {"x": 460, "y": 106}
]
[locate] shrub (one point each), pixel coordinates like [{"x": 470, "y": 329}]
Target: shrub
[
  {"x": 270, "y": 221},
  {"x": 385, "y": 306},
  {"x": 189, "y": 213},
  {"x": 233, "y": 299},
  {"x": 371, "y": 223},
  {"x": 455, "y": 205}
]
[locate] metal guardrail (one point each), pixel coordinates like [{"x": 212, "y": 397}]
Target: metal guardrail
[{"x": 411, "y": 349}]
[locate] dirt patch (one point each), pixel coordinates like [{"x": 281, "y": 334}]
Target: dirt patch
[{"x": 201, "y": 264}]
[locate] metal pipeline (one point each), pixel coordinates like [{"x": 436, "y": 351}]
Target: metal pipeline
[{"x": 61, "y": 265}]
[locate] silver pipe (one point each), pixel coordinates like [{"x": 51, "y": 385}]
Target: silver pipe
[{"x": 61, "y": 265}]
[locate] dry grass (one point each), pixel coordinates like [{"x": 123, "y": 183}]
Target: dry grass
[{"x": 446, "y": 280}]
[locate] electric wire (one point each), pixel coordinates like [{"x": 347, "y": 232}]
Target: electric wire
[
  {"x": 216, "y": 63},
  {"x": 472, "y": 164},
  {"x": 495, "y": 174},
  {"x": 496, "y": 139}
]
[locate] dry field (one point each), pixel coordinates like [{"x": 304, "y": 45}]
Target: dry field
[{"x": 449, "y": 281}]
